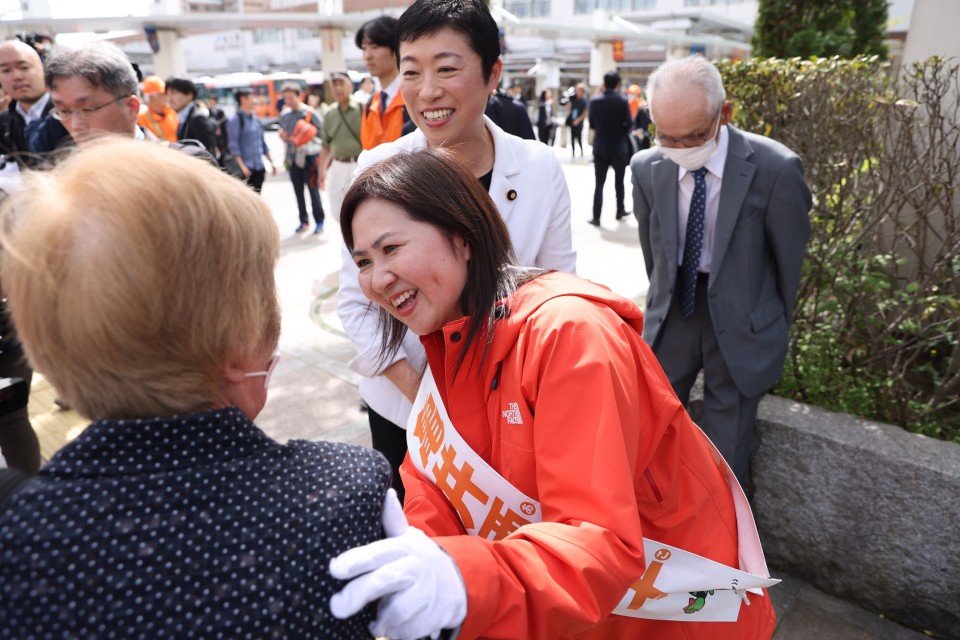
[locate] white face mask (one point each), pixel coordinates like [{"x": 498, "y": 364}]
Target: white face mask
[{"x": 695, "y": 157}]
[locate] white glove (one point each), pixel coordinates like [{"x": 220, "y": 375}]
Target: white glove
[{"x": 418, "y": 584}]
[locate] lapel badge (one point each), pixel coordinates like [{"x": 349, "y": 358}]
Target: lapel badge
[{"x": 512, "y": 195}]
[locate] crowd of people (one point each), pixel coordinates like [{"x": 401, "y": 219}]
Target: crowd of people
[{"x": 534, "y": 471}]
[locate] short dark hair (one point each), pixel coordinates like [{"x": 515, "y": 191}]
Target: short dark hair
[
  {"x": 242, "y": 92},
  {"x": 453, "y": 201},
  {"x": 182, "y": 85},
  {"x": 380, "y": 31},
  {"x": 469, "y": 17},
  {"x": 611, "y": 79}
]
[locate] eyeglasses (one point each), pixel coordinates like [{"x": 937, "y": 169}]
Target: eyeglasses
[
  {"x": 271, "y": 365},
  {"x": 695, "y": 140},
  {"x": 84, "y": 112}
]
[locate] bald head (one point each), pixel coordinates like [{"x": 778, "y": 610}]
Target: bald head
[{"x": 21, "y": 72}]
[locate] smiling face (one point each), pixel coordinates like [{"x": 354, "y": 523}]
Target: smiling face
[
  {"x": 410, "y": 268},
  {"x": 444, "y": 89}
]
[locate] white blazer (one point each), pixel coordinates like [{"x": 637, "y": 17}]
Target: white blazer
[{"x": 529, "y": 189}]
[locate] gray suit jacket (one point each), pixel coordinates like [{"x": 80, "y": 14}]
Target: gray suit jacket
[{"x": 761, "y": 235}]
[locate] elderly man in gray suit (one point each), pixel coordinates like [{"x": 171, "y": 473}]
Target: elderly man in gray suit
[{"x": 724, "y": 223}]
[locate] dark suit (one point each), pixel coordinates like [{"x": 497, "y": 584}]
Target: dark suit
[
  {"x": 610, "y": 119},
  {"x": 578, "y": 106},
  {"x": 510, "y": 115},
  {"x": 195, "y": 124},
  {"x": 545, "y": 124},
  {"x": 641, "y": 130},
  {"x": 738, "y": 333},
  {"x": 29, "y": 145}
]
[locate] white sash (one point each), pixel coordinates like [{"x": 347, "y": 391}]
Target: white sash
[{"x": 676, "y": 585}]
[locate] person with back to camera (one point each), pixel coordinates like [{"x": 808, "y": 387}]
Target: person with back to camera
[
  {"x": 550, "y": 461},
  {"x": 154, "y": 312},
  {"x": 450, "y": 63},
  {"x": 610, "y": 120}
]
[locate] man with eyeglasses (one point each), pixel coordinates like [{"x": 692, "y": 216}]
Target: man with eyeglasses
[
  {"x": 94, "y": 91},
  {"x": 93, "y": 88},
  {"x": 724, "y": 223}
]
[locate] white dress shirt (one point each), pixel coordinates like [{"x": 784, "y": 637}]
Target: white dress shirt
[{"x": 35, "y": 112}]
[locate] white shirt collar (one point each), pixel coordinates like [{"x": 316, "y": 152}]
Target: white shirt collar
[
  {"x": 393, "y": 87},
  {"x": 35, "y": 112}
]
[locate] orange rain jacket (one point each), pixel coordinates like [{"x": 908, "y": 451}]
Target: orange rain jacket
[
  {"x": 605, "y": 446},
  {"x": 375, "y": 130}
]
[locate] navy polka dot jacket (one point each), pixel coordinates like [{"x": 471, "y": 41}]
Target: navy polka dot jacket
[{"x": 194, "y": 526}]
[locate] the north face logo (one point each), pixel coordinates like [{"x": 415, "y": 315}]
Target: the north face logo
[{"x": 513, "y": 414}]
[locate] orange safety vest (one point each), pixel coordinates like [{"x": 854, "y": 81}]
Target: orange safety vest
[
  {"x": 163, "y": 126},
  {"x": 375, "y": 130}
]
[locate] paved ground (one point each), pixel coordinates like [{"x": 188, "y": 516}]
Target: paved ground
[{"x": 313, "y": 394}]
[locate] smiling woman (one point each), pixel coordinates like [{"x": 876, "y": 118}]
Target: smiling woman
[
  {"x": 423, "y": 294},
  {"x": 549, "y": 458},
  {"x": 449, "y": 51}
]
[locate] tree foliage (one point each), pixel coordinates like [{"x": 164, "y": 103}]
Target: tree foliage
[
  {"x": 807, "y": 28},
  {"x": 876, "y": 330}
]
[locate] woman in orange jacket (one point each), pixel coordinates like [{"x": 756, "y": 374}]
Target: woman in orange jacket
[{"x": 564, "y": 490}]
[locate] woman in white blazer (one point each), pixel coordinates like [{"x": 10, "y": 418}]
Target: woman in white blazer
[{"x": 449, "y": 65}]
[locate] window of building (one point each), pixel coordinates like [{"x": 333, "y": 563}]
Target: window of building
[
  {"x": 528, "y": 8},
  {"x": 264, "y": 36},
  {"x": 588, "y": 6}
]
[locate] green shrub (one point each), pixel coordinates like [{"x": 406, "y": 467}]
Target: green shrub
[{"x": 877, "y": 323}]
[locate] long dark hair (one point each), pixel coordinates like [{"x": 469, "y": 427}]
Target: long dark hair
[{"x": 435, "y": 187}]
